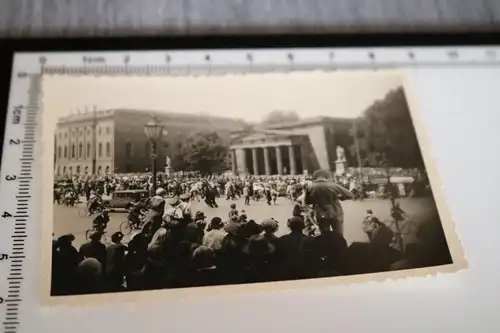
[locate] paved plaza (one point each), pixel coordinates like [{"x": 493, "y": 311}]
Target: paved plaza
[{"x": 67, "y": 219}]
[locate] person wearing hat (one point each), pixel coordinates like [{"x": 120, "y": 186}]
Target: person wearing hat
[
  {"x": 94, "y": 248},
  {"x": 115, "y": 262},
  {"x": 206, "y": 272},
  {"x": 153, "y": 219},
  {"x": 270, "y": 226},
  {"x": 233, "y": 212},
  {"x": 324, "y": 197},
  {"x": 215, "y": 234},
  {"x": 232, "y": 260},
  {"x": 89, "y": 277},
  {"x": 296, "y": 251},
  {"x": 65, "y": 258},
  {"x": 185, "y": 206},
  {"x": 200, "y": 220},
  {"x": 250, "y": 228},
  {"x": 260, "y": 254}
]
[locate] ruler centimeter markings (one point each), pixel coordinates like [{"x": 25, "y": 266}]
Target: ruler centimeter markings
[
  {"x": 20, "y": 142},
  {"x": 16, "y": 189}
]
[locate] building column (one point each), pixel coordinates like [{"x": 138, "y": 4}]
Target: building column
[
  {"x": 234, "y": 167},
  {"x": 241, "y": 160},
  {"x": 291, "y": 156},
  {"x": 279, "y": 160},
  {"x": 303, "y": 158},
  {"x": 254, "y": 160},
  {"x": 266, "y": 161}
]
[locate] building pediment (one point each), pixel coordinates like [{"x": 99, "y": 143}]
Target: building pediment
[{"x": 261, "y": 137}]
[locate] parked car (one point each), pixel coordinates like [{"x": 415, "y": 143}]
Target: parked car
[{"x": 123, "y": 199}]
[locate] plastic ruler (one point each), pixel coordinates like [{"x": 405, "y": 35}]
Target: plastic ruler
[{"x": 19, "y": 183}]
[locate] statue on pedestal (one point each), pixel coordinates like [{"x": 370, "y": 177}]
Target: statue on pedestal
[
  {"x": 341, "y": 162},
  {"x": 168, "y": 166},
  {"x": 340, "y": 154}
]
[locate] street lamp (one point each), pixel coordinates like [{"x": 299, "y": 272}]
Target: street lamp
[{"x": 153, "y": 131}]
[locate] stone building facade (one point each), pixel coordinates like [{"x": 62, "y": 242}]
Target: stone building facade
[
  {"x": 120, "y": 143},
  {"x": 293, "y": 148}
]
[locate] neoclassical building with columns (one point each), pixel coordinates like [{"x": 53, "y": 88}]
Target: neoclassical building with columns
[{"x": 290, "y": 148}]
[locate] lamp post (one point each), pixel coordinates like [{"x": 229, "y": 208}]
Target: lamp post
[{"x": 153, "y": 131}]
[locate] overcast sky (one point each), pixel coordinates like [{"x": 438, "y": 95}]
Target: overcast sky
[{"x": 248, "y": 97}]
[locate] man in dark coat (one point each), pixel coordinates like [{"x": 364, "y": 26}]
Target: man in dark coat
[
  {"x": 115, "y": 262},
  {"x": 324, "y": 195},
  {"x": 94, "y": 248}
]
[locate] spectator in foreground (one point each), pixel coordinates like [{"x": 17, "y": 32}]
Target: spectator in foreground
[{"x": 94, "y": 248}]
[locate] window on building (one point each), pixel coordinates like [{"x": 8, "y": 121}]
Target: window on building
[
  {"x": 59, "y": 152},
  {"x": 108, "y": 130},
  {"x": 100, "y": 150},
  {"x": 58, "y": 170},
  {"x": 65, "y": 151},
  {"x": 88, "y": 149},
  {"x": 70, "y": 170},
  {"x": 99, "y": 130},
  {"x": 99, "y": 169},
  {"x": 64, "y": 170},
  {"x": 80, "y": 150},
  {"x": 73, "y": 151},
  {"x": 128, "y": 149},
  {"x": 108, "y": 149}
]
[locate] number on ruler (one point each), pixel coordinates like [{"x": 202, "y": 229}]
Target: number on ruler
[
  {"x": 453, "y": 55},
  {"x": 4, "y": 256},
  {"x": 491, "y": 54},
  {"x": 14, "y": 141},
  {"x": 6, "y": 214},
  {"x": 10, "y": 177}
]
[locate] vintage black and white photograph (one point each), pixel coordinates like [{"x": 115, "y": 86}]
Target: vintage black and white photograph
[{"x": 172, "y": 182}]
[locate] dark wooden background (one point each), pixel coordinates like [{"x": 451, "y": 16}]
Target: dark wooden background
[{"x": 188, "y": 17}]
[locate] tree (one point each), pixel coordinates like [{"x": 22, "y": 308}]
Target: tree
[
  {"x": 391, "y": 133},
  {"x": 279, "y": 116},
  {"x": 205, "y": 152}
]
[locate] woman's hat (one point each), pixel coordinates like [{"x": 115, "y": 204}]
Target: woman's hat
[
  {"x": 258, "y": 245},
  {"x": 216, "y": 223},
  {"x": 117, "y": 236},
  {"x": 200, "y": 215},
  {"x": 233, "y": 228},
  {"x": 270, "y": 225},
  {"x": 252, "y": 228}
]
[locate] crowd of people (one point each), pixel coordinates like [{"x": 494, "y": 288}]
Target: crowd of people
[{"x": 179, "y": 248}]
